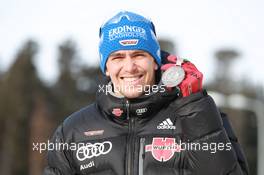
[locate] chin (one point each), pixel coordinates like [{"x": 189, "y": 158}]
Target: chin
[{"x": 133, "y": 95}]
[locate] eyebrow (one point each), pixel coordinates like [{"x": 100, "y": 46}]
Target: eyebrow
[
  {"x": 116, "y": 54},
  {"x": 139, "y": 52}
]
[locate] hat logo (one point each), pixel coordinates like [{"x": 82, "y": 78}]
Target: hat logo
[
  {"x": 127, "y": 31},
  {"x": 128, "y": 42}
]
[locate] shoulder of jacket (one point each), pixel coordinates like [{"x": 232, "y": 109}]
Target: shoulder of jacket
[
  {"x": 191, "y": 99},
  {"x": 78, "y": 118},
  {"x": 80, "y": 113}
]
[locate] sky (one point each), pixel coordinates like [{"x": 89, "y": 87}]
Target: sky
[{"x": 198, "y": 28}]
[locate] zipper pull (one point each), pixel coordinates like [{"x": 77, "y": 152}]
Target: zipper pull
[{"x": 127, "y": 108}]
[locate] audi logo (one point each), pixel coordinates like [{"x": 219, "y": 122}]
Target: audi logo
[
  {"x": 141, "y": 110},
  {"x": 93, "y": 150}
]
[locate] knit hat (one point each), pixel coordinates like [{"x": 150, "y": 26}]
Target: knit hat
[{"x": 128, "y": 31}]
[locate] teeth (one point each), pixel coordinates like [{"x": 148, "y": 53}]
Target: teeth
[{"x": 131, "y": 78}]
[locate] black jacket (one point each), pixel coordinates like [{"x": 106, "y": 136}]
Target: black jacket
[{"x": 142, "y": 137}]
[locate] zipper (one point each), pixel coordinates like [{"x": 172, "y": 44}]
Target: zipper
[
  {"x": 131, "y": 141},
  {"x": 141, "y": 156}
]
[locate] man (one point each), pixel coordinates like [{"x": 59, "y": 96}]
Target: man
[{"x": 152, "y": 117}]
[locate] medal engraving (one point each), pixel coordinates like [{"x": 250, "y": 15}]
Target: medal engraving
[{"x": 173, "y": 76}]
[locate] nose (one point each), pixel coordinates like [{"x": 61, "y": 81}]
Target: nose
[{"x": 129, "y": 64}]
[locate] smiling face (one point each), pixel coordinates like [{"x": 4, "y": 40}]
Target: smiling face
[{"x": 131, "y": 71}]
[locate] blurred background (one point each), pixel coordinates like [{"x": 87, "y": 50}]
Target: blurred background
[{"x": 49, "y": 65}]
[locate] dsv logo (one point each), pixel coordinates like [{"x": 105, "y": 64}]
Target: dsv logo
[{"x": 93, "y": 150}]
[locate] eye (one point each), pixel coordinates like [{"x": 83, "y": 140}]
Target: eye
[
  {"x": 139, "y": 55},
  {"x": 116, "y": 58}
]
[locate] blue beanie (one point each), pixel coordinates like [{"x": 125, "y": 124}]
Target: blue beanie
[{"x": 128, "y": 31}]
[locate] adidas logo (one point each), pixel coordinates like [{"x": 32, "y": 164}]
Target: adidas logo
[{"x": 166, "y": 124}]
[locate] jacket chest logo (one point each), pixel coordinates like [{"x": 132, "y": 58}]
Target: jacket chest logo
[
  {"x": 141, "y": 111},
  {"x": 163, "y": 149},
  {"x": 166, "y": 124},
  {"x": 117, "y": 112}
]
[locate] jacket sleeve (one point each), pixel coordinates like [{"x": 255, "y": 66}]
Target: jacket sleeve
[
  {"x": 58, "y": 159},
  {"x": 234, "y": 141}
]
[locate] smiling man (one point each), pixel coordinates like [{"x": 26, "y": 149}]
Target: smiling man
[
  {"x": 156, "y": 119},
  {"x": 131, "y": 71}
]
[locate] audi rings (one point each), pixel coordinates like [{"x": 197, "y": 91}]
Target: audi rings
[{"x": 93, "y": 150}]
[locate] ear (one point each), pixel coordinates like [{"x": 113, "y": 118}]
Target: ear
[
  {"x": 107, "y": 73},
  {"x": 156, "y": 66}
]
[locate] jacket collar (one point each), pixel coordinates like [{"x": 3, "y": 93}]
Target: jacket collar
[{"x": 143, "y": 108}]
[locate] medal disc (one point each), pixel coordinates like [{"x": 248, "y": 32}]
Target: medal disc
[{"x": 173, "y": 76}]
